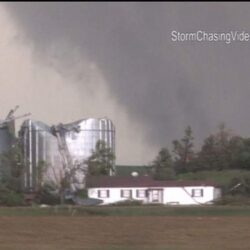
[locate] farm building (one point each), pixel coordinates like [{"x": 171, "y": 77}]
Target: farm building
[{"x": 112, "y": 189}]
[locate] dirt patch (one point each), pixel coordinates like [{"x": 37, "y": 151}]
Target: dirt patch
[{"x": 51, "y": 233}]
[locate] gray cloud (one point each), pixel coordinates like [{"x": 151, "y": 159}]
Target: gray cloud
[{"x": 163, "y": 85}]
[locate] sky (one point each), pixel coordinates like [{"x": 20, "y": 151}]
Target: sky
[{"x": 66, "y": 61}]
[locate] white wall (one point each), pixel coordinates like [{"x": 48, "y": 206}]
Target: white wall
[
  {"x": 183, "y": 195},
  {"x": 171, "y": 195},
  {"x": 114, "y": 194}
]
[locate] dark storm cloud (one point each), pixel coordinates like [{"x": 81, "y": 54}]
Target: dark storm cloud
[{"x": 164, "y": 85}]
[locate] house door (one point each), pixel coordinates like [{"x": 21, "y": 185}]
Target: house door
[{"x": 155, "y": 195}]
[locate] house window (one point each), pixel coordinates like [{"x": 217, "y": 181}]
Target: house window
[
  {"x": 126, "y": 193},
  {"x": 103, "y": 193},
  {"x": 197, "y": 192},
  {"x": 140, "y": 193}
]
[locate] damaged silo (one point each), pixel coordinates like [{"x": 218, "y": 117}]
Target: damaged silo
[{"x": 40, "y": 147}]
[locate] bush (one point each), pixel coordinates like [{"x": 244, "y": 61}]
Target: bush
[
  {"x": 47, "y": 195},
  {"x": 48, "y": 198},
  {"x": 83, "y": 193},
  {"x": 15, "y": 199},
  {"x": 128, "y": 203},
  {"x": 233, "y": 200},
  {"x": 11, "y": 198}
]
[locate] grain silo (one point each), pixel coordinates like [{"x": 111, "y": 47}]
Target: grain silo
[
  {"x": 40, "y": 145},
  {"x": 81, "y": 144}
]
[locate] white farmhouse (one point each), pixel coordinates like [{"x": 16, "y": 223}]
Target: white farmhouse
[{"x": 112, "y": 189}]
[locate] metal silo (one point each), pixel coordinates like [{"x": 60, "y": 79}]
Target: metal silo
[
  {"x": 82, "y": 144},
  {"x": 39, "y": 147}
]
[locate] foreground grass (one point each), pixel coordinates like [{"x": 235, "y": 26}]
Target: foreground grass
[{"x": 127, "y": 211}]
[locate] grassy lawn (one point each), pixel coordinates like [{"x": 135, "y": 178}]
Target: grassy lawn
[
  {"x": 223, "y": 178},
  {"x": 127, "y": 211}
]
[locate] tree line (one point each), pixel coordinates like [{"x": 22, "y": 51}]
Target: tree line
[{"x": 219, "y": 151}]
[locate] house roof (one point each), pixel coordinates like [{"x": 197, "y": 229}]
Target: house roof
[{"x": 141, "y": 181}]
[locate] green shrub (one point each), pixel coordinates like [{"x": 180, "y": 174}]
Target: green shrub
[
  {"x": 233, "y": 200},
  {"x": 128, "y": 203},
  {"x": 48, "y": 198},
  {"x": 83, "y": 193},
  {"x": 11, "y": 198}
]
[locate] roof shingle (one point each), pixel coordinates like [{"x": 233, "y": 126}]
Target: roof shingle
[{"x": 141, "y": 181}]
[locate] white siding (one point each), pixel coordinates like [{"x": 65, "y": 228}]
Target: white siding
[
  {"x": 114, "y": 194},
  {"x": 171, "y": 195},
  {"x": 183, "y": 195}
]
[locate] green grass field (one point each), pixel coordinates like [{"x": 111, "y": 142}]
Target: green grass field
[
  {"x": 127, "y": 211},
  {"x": 223, "y": 178}
]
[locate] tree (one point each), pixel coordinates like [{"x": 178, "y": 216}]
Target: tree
[
  {"x": 183, "y": 150},
  {"x": 101, "y": 162},
  {"x": 220, "y": 150},
  {"x": 12, "y": 167},
  {"x": 208, "y": 158},
  {"x": 240, "y": 153},
  {"x": 162, "y": 166},
  {"x": 63, "y": 181},
  {"x": 66, "y": 179},
  {"x": 41, "y": 169}
]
